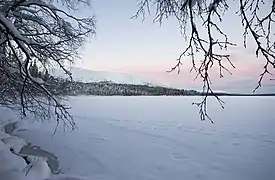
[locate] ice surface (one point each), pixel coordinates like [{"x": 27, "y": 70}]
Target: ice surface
[
  {"x": 161, "y": 138},
  {"x": 12, "y": 175}
]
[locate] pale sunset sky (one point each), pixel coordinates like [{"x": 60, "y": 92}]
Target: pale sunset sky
[{"x": 147, "y": 50}]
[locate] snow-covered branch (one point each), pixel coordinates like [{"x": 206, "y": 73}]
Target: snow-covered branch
[{"x": 38, "y": 31}]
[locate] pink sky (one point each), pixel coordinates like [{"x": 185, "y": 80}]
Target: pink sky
[{"x": 247, "y": 71}]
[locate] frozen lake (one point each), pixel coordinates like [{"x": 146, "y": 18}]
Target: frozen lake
[{"x": 162, "y": 138}]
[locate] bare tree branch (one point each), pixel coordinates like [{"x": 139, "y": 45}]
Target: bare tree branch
[{"x": 202, "y": 17}]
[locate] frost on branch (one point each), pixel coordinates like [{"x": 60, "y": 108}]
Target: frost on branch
[
  {"x": 206, "y": 42},
  {"x": 42, "y": 32}
]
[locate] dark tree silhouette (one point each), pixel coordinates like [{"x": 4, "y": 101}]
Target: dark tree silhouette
[
  {"x": 44, "y": 32},
  {"x": 198, "y": 17}
]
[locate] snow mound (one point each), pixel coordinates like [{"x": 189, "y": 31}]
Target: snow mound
[
  {"x": 3, "y": 135},
  {"x": 10, "y": 161},
  {"x": 14, "y": 143},
  {"x": 14, "y": 167},
  {"x": 37, "y": 169}
]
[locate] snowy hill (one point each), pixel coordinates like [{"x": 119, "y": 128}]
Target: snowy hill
[{"x": 85, "y": 75}]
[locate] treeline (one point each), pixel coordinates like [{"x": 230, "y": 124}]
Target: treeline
[{"x": 106, "y": 88}]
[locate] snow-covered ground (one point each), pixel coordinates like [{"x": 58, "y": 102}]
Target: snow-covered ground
[{"x": 146, "y": 138}]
